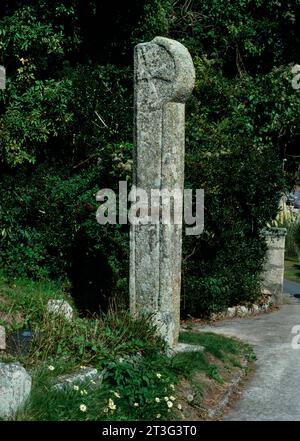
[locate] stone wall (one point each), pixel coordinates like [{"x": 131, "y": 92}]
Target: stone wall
[{"x": 273, "y": 273}]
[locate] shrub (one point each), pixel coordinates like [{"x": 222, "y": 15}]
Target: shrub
[{"x": 67, "y": 132}]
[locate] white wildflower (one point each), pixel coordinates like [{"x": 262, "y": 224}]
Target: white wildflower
[
  {"x": 83, "y": 392},
  {"x": 111, "y": 404}
]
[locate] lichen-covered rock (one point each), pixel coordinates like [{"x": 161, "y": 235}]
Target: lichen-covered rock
[
  {"x": 264, "y": 307},
  {"x": 242, "y": 311},
  {"x": 184, "y": 348},
  {"x": 85, "y": 374},
  {"x": 61, "y": 308},
  {"x": 231, "y": 312},
  {"x": 15, "y": 387}
]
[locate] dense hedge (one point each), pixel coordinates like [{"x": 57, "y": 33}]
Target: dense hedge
[{"x": 66, "y": 131}]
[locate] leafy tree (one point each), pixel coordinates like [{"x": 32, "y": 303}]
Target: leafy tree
[{"x": 66, "y": 131}]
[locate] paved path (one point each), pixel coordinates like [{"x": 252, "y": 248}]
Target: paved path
[
  {"x": 273, "y": 393},
  {"x": 292, "y": 288}
]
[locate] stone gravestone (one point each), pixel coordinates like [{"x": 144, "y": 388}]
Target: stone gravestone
[
  {"x": 164, "y": 79},
  {"x": 2, "y": 78}
]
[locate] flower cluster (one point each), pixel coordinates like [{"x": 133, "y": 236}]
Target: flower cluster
[
  {"x": 111, "y": 406},
  {"x": 168, "y": 399},
  {"x": 82, "y": 407}
]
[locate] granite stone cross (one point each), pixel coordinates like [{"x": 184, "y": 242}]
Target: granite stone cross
[{"x": 164, "y": 79}]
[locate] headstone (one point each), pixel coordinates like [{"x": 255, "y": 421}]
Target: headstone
[
  {"x": 164, "y": 79},
  {"x": 2, "y": 78},
  {"x": 15, "y": 386}
]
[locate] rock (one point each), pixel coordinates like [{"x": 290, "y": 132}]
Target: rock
[
  {"x": 255, "y": 309},
  {"x": 60, "y": 307},
  {"x": 84, "y": 375},
  {"x": 269, "y": 301},
  {"x": 266, "y": 292},
  {"x": 2, "y": 338},
  {"x": 15, "y": 387},
  {"x": 231, "y": 312},
  {"x": 185, "y": 347},
  {"x": 242, "y": 311},
  {"x": 264, "y": 307}
]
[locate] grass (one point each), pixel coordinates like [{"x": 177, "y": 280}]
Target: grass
[
  {"x": 140, "y": 381},
  {"x": 224, "y": 349},
  {"x": 292, "y": 269}
]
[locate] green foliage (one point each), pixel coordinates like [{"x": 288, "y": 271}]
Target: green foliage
[
  {"x": 24, "y": 301},
  {"x": 36, "y": 108},
  {"x": 97, "y": 340},
  {"x": 86, "y": 402},
  {"x": 229, "y": 351},
  {"x": 222, "y": 348},
  {"x": 241, "y": 120},
  {"x": 66, "y": 131},
  {"x": 292, "y": 269},
  {"x": 140, "y": 381},
  {"x": 145, "y": 384},
  {"x": 296, "y": 236},
  {"x": 33, "y": 118},
  {"x": 126, "y": 393}
]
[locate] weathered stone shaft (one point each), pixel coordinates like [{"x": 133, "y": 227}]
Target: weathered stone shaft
[{"x": 164, "y": 79}]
